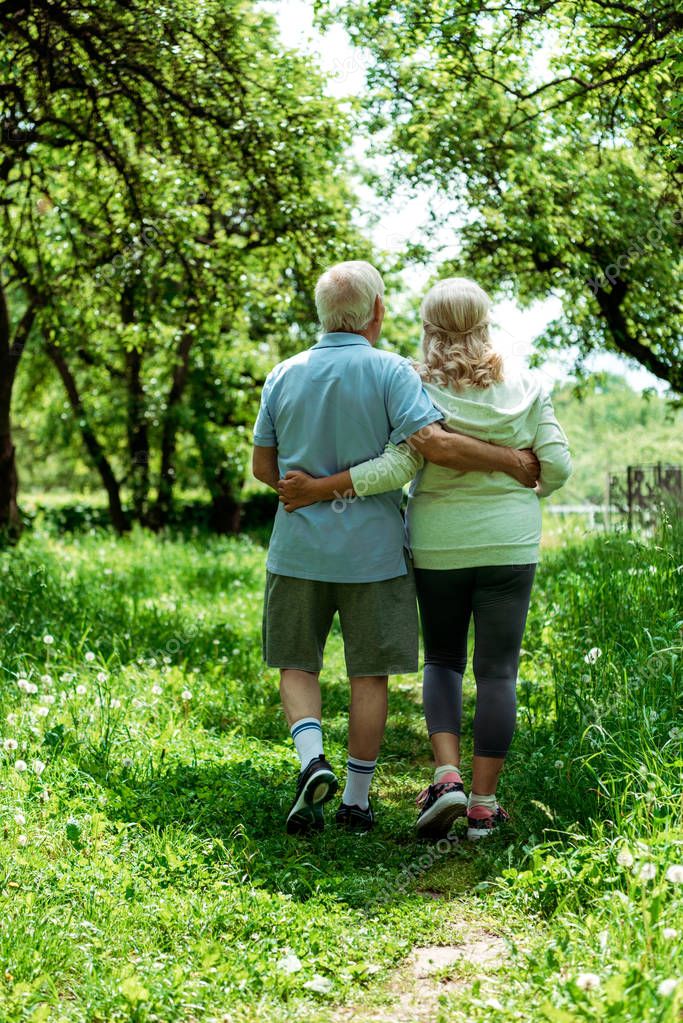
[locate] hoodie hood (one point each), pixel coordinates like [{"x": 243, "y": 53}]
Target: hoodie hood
[{"x": 506, "y": 413}]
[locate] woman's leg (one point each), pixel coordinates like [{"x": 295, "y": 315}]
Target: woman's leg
[
  {"x": 445, "y": 609},
  {"x": 500, "y": 603}
]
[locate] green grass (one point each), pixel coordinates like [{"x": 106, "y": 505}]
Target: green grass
[{"x": 145, "y": 873}]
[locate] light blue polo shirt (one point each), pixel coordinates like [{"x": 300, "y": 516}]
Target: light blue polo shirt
[{"x": 326, "y": 409}]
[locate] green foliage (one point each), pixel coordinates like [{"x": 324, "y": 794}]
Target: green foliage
[
  {"x": 553, "y": 134},
  {"x": 597, "y": 422}
]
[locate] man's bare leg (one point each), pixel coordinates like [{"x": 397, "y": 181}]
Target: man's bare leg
[{"x": 367, "y": 720}]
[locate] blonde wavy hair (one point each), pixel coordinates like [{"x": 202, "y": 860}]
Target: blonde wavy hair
[{"x": 456, "y": 346}]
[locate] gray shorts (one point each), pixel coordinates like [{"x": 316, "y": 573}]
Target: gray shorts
[{"x": 378, "y": 623}]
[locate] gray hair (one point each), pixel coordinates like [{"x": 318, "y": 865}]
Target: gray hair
[{"x": 345, "y": 296}]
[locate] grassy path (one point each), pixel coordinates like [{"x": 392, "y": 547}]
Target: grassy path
[{"x": 146, "y": 770}]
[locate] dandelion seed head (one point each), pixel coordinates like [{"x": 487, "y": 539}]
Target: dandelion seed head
[
  {"x": 669, "y": 933},
  {"x": 186, "y": 695},
  {"x": 667, "y": 987},
  {"x": 42, "y": 712},
  {"x": 625, "y": 858},
  {"x": 89, "y": 655},
  {"x": 290, "y": 964},
  {"x": 20, "y": 766},
  {"x": 559, "y": 764},
  {"x": 674, "y": 873},
  {"x": 38, "y": 767},
  {"x": 48, "y": 640},
  {"x": 588, "y": 981},
  {"x": 32, "y": 688},
  {"x": 22, "y": 840},
  {"x": 647, "y": 872},
  {"x": 10, "y": 744},
  {"x": 156, "y": 690},
  {"x": 19, "y": 818},
  {"x": 81, "y": 690},
  {"x": 23, "y": 684},
  {"x": 593, "y": 654},
  {"x": 12, "y": 719}
]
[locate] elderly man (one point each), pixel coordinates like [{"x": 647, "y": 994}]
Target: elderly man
[{"x": 322, "y": 411}]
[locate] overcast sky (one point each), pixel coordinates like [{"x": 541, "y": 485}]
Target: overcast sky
[{"x": 404, "y": 216}]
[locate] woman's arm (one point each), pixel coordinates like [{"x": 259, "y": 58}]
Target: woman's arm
[
  {"x": 389, "y": 471},
  {"x": 551, "y": 447}
]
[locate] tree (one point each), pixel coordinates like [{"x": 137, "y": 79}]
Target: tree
[
  {"x": 553, "y": 134},
  {"x": 160, "y": 165}
]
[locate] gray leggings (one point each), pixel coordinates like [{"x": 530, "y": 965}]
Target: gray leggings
[{"x": 498, "y": 597}]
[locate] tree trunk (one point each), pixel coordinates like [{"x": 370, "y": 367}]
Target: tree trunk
[
  {"x": 92, "y": 444},
  {"x": 226, "y": 509},
  {"x": 164, "y": 502},
  {"x": 138, "y": 435},
  {"x": 11, "y": 350}
]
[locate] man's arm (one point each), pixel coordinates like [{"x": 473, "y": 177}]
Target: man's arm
[
  {"x": 466, "y": 454},
  {"x": 264, "y": 465}
]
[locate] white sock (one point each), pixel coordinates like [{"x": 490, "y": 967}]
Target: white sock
[
  {"x": 490, "y": 802},
  {"x": 308, "y": 739},
  {"x": 358, "y": 778},
  {"x": 445, "y": 769}
]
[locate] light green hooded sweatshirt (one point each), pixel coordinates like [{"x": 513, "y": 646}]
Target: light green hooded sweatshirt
[{"x": 463, "y": 519}]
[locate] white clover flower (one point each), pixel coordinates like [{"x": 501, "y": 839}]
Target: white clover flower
[
  {"x": 588, "y": 981},
  {"x": 10, "y": 744},
  {"x": 42, "y": 712},
  {"x": 290, "y": 964},
  {"x": 674, "y": 873},
  {"x": 152, "y": 662},
  {"x": 20, "y": 766},
  {"x": 625, "y": 857},
  {"x": 81, "y": 690},
  {"x": 89, "y": 655},
  {"x": 593, "y": 654},
  {"x": 48, "y": 640},
  {"x": 101, "y": 676},
  {"x": 156, "y": 690},
  {"x": 186, "y": 695},
  {"x": 667, "y": 987},
  {"x": 22, "y": 840},
  {"x": 168, "y": 660},
  {"x": 38, "y": 767},
  {"x": 12, "y": 719},
  {"x": 669, "y": 933},
  {"x": 647, "y": 872},
  {"x": 321, "y": 985},
  {"x": 19, "y": 818}
]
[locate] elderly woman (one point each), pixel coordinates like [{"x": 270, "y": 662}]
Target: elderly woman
[{"x": 475, "y": 540}]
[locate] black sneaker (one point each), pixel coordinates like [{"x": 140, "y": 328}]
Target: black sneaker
[
  {"x": 355, "y": 819},
  {"x": 317, "y": 785},
  {"x": 482, "y": 822},
  {"x": 440, "y": 804}
]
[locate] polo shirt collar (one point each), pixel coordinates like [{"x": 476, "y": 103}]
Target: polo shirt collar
[{"x": 340, "y": 339}]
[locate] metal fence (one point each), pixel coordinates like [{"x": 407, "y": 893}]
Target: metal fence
[{"x": 641, "y": 495}]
